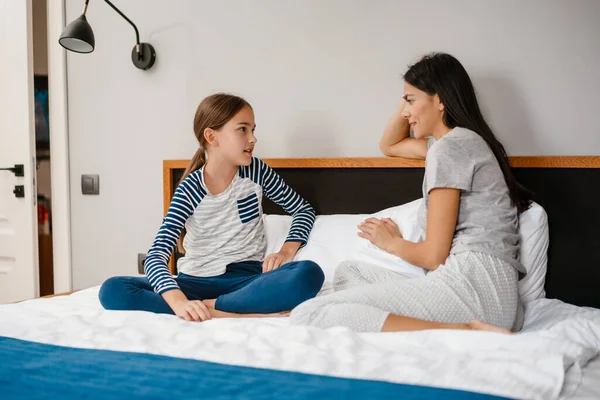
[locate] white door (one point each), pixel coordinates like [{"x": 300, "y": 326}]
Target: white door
[{"x": 18, "y": 215}]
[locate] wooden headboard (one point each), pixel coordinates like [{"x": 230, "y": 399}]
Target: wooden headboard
[{"x": 567, "y": 187}]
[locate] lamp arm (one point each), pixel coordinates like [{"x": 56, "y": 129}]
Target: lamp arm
[
  {"x": 85, "y": 7},
  {"x": 137, "y": 34}
]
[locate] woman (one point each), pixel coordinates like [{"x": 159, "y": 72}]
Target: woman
[{"x": 469, "y": 213}]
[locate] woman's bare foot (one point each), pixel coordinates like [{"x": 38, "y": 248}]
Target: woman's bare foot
[{"x": 482, "y": 326}]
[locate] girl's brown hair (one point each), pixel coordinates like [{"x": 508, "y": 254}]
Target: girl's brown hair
[{"x": 213, "y": 112}]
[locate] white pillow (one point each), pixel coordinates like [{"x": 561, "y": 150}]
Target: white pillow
[
  {"x": 405, "y": 216},
  {"x": 330, "y": 241},
  {"x": 334, "y": 239},
  {"x": 534, "y": 236},
  {"x": 276, "y": 230}
]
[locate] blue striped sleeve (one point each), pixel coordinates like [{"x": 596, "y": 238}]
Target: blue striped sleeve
[
  {"x": 280, "y": 193},
  {"x": 185, "y": 200}
]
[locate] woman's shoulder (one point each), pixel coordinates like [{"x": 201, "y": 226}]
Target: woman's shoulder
[
  {"x": 460, "y": 140},
  {"x": 455, "y": 151},
  {"x": 450, "y": 144}
]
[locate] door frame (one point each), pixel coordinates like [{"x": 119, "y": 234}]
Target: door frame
[{"x": 59, "y": 149}]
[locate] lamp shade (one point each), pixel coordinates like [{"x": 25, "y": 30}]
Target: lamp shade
[{"x": 78, "y": 36}]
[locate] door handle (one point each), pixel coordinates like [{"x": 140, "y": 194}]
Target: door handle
[{"x": 18, "y": 170}]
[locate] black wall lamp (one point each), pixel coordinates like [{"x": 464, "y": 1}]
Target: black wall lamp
[{"x": 79, "y": 37}]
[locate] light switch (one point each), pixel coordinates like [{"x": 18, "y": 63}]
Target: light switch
[{"x": 90, "y": 184}]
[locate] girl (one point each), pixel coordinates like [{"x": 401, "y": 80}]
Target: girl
[
  {"x": 469, "y": 213},
  {"x": 216, "y": 216}
]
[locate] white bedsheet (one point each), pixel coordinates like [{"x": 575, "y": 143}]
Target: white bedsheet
[
  {"x": 589, "y": 387},
  {"x": 543, "y": 362},
  {"x": 582, "y": 380}
]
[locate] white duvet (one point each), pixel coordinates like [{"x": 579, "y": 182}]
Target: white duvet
[{"x": 542, "y": 362}]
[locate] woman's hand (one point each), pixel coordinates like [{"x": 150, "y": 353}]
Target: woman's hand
[{"x": 381, "y": 232}]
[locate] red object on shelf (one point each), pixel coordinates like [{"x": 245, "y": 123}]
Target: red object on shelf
[{"x": 43, "y": 219}]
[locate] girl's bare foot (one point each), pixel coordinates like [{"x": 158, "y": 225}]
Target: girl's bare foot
[
  {"x": 210, "y": 303},
  {"x": 482, "y": 326},
  {"x": 214, "y": 313},
  {"x": 272, "y": 315},
  {"x": 222, "y": 314}
]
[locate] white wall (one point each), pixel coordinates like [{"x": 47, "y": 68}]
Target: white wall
[{"x": 323, "y": 78}]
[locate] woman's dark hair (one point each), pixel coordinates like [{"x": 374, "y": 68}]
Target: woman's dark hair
[{"x": 444, "y": 75}]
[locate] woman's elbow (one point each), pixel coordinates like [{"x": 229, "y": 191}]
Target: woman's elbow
[
  {"x": 385, "y": 149},
  {"x": 435, "y": 259}
]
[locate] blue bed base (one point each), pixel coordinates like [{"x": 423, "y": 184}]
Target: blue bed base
[{"x": 30, "y": 370}]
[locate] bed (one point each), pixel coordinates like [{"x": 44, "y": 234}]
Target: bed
[{"x": 68, "y": 346}]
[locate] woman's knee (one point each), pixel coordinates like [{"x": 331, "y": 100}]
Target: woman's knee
[
  {"x": 344, "y": 271},
  {"x": 316, "y": 313},
  {"x": 305, "y": 313}
]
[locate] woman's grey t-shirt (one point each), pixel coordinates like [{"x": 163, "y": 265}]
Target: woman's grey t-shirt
[{"x": 487, "y": 220}]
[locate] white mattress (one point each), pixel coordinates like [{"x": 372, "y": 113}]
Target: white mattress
[{"x": 548, "y": 360}]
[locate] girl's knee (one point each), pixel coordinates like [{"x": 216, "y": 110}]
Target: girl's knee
[
  {"x": 311, "y": 274},
  {"x": 112, "y": 291}
]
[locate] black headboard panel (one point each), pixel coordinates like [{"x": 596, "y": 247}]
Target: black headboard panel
[
  {"x": 570, "y": 196},
  {"x": 351, "y": 190}
]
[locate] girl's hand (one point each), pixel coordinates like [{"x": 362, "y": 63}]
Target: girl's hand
[
  {"x": 276, "y": 260},
  {"x": 381, "y": 232},
  {"x": 284, "y": 256},
  {"x": 191, "y": 310}
]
